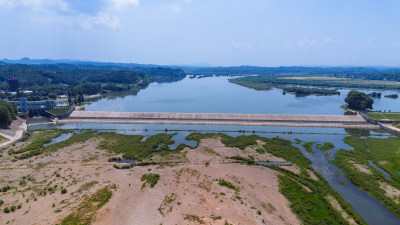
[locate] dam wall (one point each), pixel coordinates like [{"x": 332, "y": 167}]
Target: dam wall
[{"x": 343, "y": 121}]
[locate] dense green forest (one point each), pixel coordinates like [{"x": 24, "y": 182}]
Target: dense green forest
[
  {"x": 49, "y": 81},
  {"x": 8, "y": 111}
]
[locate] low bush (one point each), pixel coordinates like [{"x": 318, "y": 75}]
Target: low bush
[
  {"x": 224, "y": 183},
  {"x": 150, "y": 179}
]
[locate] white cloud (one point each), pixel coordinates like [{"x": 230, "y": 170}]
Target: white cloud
[
  {"x": 35, "y": 4},
  {"x": 369, "y": 43},
  {"x": 176, "y": 8},
  {"x": 245, "y": 46},
  {"x": 306, "y": 43},
  {"x": 60, "y": 12},
  {"x": 119, "y": 4},
  {"x": 105, "y": 19},
  {"x": 7, "y": 3},
  {"x": 86, "y": 22}
]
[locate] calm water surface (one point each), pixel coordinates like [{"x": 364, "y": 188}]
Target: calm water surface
[{"x": 218, "y": 95}]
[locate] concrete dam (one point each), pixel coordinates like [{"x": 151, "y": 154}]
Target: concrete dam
[{"x": 338, "y": 121}]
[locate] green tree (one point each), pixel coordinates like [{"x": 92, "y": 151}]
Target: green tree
[
  {"x": 69, "y": 100},
  {"x": 358, "y": 100},
  {"x": 5, "y": 116},
  {"x": 12, "y": 108}
]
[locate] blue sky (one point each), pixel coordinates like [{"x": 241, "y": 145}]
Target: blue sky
[{"x": 215, "y": 32}]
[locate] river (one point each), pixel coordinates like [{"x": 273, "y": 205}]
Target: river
[{"x": 218, "y": 95}]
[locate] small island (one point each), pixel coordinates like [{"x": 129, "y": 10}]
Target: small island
[{"x": 302, "y": 92}]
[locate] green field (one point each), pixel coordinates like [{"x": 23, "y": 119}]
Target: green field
[
  {"x": 266, "y": 82},
  {"x": 384, "y": 116}
]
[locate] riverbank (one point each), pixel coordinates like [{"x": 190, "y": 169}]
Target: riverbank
[
  {"x": 186, "y": 192},
  {"x": 15, "y": 132}
]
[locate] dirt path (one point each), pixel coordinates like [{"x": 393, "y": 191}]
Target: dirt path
[{"x": 16, "y": 131}]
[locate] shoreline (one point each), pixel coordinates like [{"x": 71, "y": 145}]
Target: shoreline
[{"x": 17, "y": 130}]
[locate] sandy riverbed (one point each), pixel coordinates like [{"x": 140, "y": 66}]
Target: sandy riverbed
[{"x": 196, "y": 195}]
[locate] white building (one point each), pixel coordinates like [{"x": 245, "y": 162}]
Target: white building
[{"x": 33, "y": 106}]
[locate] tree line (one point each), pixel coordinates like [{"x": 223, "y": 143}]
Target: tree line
[
  {"x": 50, "y": 81},
  {"x": 301, "y": 91},
  {"x": 8, "y": 112}
]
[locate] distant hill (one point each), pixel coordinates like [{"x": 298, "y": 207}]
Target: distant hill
[
  {"x": 77, "y": 63},
  {"x": 174, "y": 73},
  {"x": 68, "y": 74},
  {"x": 243, "y": 70}
]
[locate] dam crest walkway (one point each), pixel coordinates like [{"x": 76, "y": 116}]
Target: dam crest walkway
[{"x": 230, "y": 119}]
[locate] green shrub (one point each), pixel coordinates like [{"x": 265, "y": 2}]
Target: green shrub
[
  {"x": 150, "y": 179},
  {"x": 6, "y": 210},
  {"x": 327, "y": 146},
  {"x": 64, "y": 191},
  {"x": 308, "y": 146},
  {"x": 224, "y": 183}
]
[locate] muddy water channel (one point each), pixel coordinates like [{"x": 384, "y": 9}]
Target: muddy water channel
[{"x": 217, "y": 95}]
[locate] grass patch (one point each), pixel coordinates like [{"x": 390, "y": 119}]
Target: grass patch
[
  {"x": 86, "y": 186},
  {"x": 311, "y": 208},
  {"x": 259, "y": 86},
  {"x": 241, "y": 142},
  {"x": 150, "y": 179},
  {"x": 327, "y": 146},
  {"x": 88, "y": 208},
  {"x": 283, "y": 148},
  {"x": 37, "y": 146},
  {"x": 382, "y": 152},
  {"x": 308, "y": 146},
  {"x": 224, "y": 183},
  {"x": 384, "y": 116},
  {"x": 132, "y": 146}
]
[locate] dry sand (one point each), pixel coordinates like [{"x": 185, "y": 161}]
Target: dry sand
[
  {"x": 361, "y": 167},
  {"x": 15, "y": 132},
  {"x": 185, "y": 194}
]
